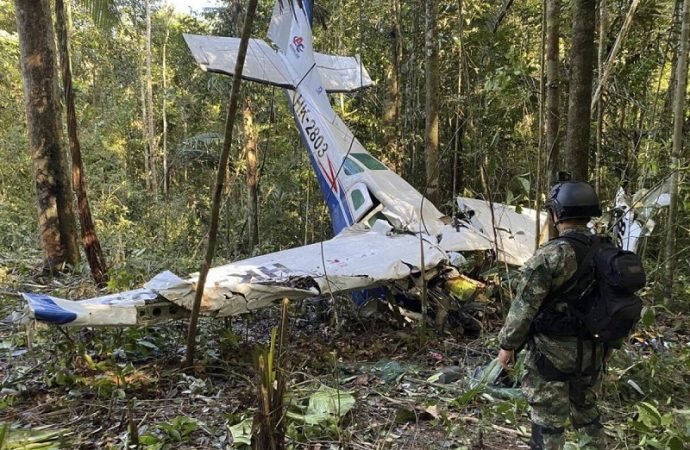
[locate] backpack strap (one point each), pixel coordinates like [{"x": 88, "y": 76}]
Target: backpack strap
[{"x": 585, "y": 248}]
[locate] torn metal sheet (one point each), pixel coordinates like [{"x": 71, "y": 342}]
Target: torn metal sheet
[
  {"x": 632, "y": 219},
  {"x": 515, "y": 235},
  {"x": 355, "y": 259}
]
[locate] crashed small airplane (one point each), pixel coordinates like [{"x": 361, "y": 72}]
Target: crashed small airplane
[{"x": 386, "y": 232}]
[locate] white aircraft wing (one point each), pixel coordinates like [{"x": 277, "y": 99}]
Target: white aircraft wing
[
  {"x": 218, "y": 54},
  {"x": 355, "y": 259},
  {"x": 515, "y": 232}
]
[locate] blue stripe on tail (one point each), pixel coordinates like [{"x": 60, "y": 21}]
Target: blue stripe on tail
[{"x": 308, "y": 6}]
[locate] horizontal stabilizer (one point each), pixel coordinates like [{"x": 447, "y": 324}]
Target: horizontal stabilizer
[
  {"x": 264, "y": 65},
  {"x": 218, "y": 54},
  {"x": 342, "y": 73}
]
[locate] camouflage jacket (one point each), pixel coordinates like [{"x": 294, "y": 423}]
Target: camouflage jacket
[{"x": 551, "y": 267}]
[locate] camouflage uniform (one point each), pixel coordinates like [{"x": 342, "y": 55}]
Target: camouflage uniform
[{"x": 567, "y": 391}]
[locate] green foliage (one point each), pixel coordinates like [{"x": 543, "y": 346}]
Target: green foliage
[
  {"x": 668, "y": 431},
  {"x": 321, "y": 417},
  {"x": 43, "y": 438},
  {"x": 169, "y": 434},
  {"x": 326, "y": 406}
]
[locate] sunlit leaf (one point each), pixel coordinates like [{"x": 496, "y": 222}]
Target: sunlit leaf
[
  {"x": 649, "y": 414},
  {"x": 241, "y": 432},
  {"x": 327, "y": 405}
]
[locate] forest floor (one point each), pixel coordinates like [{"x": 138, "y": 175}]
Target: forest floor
[{"x": 104, "y": 388}]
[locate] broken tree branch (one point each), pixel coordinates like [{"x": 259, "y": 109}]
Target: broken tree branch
[
  {"x": 220, "y": 181},
  {"x": 614, "y": 52}
]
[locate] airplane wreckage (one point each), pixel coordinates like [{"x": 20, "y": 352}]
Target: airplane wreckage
[{"x": 386, "y": 233}]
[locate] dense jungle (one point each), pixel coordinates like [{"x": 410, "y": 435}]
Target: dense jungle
[{"x": 111, "y": 179}]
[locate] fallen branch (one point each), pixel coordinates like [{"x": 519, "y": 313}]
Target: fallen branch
[{"x": 476, "y": 421}]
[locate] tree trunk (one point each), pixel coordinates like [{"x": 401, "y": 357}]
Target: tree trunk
[
  {"x": 145, "y": 131},
  {"x": 458, "y": 147},
  {"x": 220, "y": 181},
  {"x": 92, "y": 246},
  {"x": 391, "y": 114},
  {"x": 431, "y": 135},
  {"x": 677, "y": 151},
  {"x": 53, "y": 189},
  {"x": 676, "y": 25},
  {"x": 250, "y": 148},
  {"x": 552, "y": 113},
  {"x": 166, "y": 178},
  {"x": 150, "y": 130},
  {"x": 501, "y": 15},
  {"x": 601, "y": 59},
  {"x": 540, "y": 133},
  {"x": 580, "y": 95}
]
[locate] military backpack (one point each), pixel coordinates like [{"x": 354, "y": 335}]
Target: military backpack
[{"x": 599, "y": 301}]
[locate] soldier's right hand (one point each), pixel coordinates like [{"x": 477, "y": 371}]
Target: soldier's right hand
[{"x": 506, "y": 358}]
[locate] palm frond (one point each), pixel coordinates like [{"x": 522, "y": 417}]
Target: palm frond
[{"x": 104, "y": 13}]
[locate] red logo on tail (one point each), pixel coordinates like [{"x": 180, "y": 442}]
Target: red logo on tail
[{"x": 298, "y": 42}]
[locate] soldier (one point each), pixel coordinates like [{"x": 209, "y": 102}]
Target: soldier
[{"x": 562, "y": 369}]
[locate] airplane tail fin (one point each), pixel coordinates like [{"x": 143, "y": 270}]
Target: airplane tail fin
[{"x": 291, "y": 24}]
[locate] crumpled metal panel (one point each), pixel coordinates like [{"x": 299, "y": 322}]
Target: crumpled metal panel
[
  {"x": 515, "y": 232},
  {"x": 355, "y": 259}
]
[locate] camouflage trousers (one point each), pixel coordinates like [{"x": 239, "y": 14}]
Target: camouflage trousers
[{"x": 553, "y": 402}]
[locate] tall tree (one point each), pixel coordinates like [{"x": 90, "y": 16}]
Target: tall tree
[
  {"x": 164, "y": 106},
  {"x": 150, "y": 129},
  {"x": 676, "y": 24},
  {"x": 580, "y": 95},
  {"x": 552, "y": 110},
  {"x": 605, "y": 70},
  {"x": 53, "y": 189},
  {"x": 677, "y": 150},
  {"x": 601, "y": 59},
  {"x": 250, "y": 146},
  {"x": 431, "y": 136},
  {"x": 391, "y": 114},
  {"x": 457, "y": 175},
  {"x": 92, "y": 246}
]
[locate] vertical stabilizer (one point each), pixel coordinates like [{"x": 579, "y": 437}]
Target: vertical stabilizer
[
  {"x": 290, "y": 28},
  {"x": 283, "y": 15}
]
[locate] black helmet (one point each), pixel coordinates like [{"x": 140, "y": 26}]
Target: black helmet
[{"x": 573, "y": 200}]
